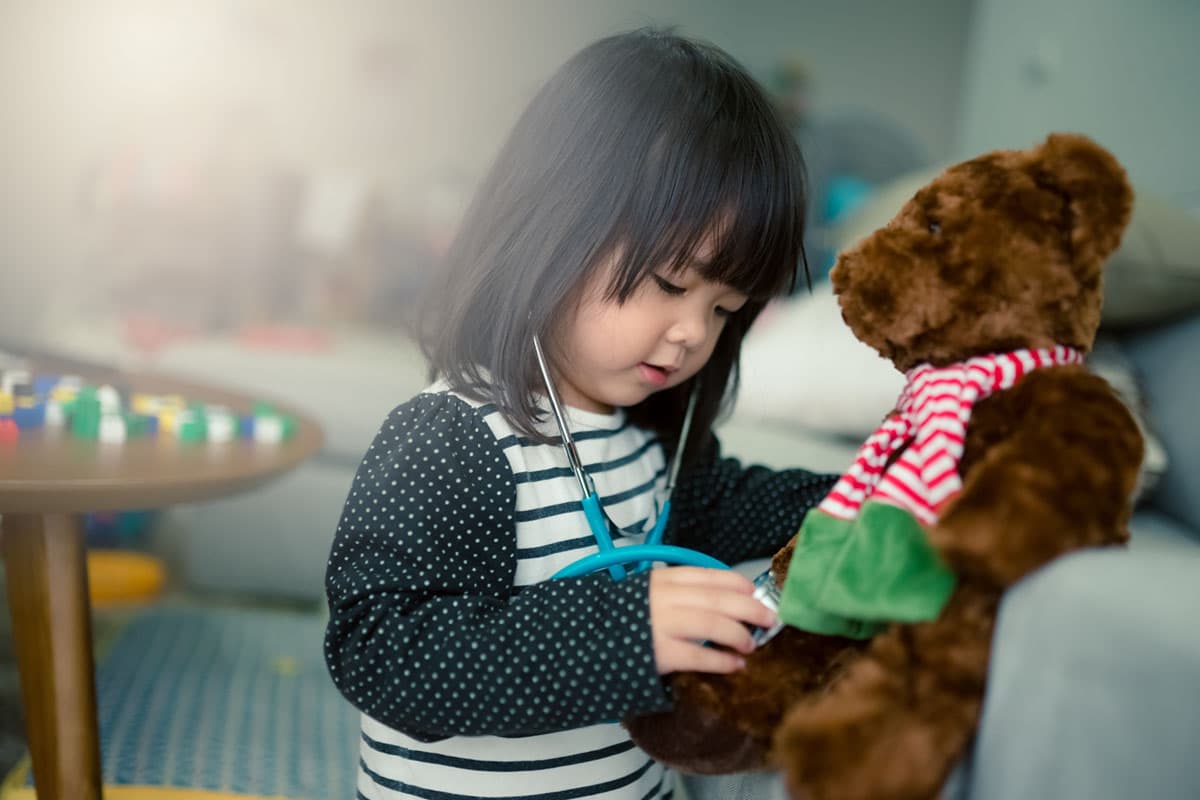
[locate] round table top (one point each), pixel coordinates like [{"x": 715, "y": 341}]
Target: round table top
[{"x": 50, "y": 471}]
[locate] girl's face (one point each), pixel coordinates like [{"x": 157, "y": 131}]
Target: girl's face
[{"x": 614, "y": 354}]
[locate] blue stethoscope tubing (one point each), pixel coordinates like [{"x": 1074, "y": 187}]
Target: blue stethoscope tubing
[{"x": 610, "y": 556}]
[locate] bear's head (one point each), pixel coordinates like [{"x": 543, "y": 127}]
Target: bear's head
[{"x": 997, "y": 253}]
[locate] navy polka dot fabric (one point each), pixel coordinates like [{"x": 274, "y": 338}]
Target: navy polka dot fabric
[
  {"x": 736, "y": 513},
  {"x": 430, "y": 635},
  {"x": 427, "y": 632}
]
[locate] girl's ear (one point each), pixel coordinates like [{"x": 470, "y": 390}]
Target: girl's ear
[{"x": 1097, "y": 192}]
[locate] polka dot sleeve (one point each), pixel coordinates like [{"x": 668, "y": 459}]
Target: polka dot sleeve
[
  {"x": 737, "y": 513},
  {"x": 427, "y": 633}
]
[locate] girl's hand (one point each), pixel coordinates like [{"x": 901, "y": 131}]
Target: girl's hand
[{"x": 690, "y": 605}]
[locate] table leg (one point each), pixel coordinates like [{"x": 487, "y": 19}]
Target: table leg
[{"x": 46, "y": 569}]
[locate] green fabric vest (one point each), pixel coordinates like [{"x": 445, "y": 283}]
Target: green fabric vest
[{"x": 852, "y": 577}]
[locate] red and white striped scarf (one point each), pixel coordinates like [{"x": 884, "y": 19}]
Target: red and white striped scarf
[{"x": 932, "y": 413}]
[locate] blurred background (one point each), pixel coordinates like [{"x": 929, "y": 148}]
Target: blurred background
[
  {"x": 231, "y": 162},
  {"x": 253, "y": 193},
  {"x": 238, "y": 161}
]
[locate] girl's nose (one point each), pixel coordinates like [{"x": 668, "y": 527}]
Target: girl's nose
[{"x": 688, "y": 331}]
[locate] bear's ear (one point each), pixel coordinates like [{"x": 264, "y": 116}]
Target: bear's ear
[{"x": 1097, "y": 196}]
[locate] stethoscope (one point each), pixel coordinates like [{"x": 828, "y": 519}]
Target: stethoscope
[{"x": 603, "y": 529}]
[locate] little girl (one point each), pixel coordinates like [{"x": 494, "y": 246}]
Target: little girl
[{"x": 646, "y": 206}]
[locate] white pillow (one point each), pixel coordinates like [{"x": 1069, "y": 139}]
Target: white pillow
[
  {"x": 803, "y": 370},
  {"x": 802, "y": 367}
]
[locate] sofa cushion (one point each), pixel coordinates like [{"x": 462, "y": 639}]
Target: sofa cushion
[{"x": 1169, "y": 366}]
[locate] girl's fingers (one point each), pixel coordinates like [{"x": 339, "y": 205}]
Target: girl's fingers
[
  {"x": 718, "y": 603},
  {"x": 690, "y": 657},
  {"x": 703, "y": 576},
  {"x": 690, "y": 606},
  {"x": 697, "y": 626}
]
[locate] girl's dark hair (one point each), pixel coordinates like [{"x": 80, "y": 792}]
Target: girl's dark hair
[{"x": 640, "y": 145}]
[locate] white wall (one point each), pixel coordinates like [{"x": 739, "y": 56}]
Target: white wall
[{"x": 1126, "y": 72}]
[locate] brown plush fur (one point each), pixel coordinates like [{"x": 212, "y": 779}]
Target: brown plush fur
[
  {"x": 726, "y": 723},
  {"x": 1001, "y": 252}
]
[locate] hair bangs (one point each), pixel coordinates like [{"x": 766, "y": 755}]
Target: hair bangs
[
  {"x": 755, "y": 239},
  {"x": 720, "y": 190}
]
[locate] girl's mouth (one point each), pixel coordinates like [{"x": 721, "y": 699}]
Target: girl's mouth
[{"x": 657, "y": 376}]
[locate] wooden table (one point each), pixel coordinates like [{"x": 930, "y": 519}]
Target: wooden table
[{"x": 47, "y": 483}]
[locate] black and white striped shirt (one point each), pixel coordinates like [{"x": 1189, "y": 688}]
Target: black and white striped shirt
[{"x": 476, "y": 675}]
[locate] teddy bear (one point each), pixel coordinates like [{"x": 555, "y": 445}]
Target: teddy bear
[{"x": 1003, "y": 453}]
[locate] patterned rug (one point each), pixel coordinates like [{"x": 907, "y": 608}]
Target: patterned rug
[{"x": 218, "y": 702}]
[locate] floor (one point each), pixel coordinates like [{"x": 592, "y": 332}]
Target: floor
[
  {"x": 12, "y": 741},
  {"x": 104, "y": 624}
]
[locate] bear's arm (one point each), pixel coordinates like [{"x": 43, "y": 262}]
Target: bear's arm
[{"x": 1049, "y": 467}]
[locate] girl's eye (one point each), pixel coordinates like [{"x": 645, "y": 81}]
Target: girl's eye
[
  {"x": 722, "y": 311},
  {"x": 667, "y": 286}
]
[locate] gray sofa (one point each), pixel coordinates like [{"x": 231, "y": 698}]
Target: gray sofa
[{"x": 1167, "y": 358}]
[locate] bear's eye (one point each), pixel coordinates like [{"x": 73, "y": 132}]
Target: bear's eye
[{"x": 935, "y": 226}]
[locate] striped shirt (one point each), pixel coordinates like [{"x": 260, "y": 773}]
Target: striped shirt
[{"x": 476, "y": 675}]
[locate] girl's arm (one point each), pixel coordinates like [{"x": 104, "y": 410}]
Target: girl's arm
[
  {"x": 427, "y": 633},
  {"x": 737, "y": 513}
]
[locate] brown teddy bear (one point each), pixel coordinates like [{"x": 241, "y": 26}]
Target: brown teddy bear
[{"x": 1003, "y": 453}]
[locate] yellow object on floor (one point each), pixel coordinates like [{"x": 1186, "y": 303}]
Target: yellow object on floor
[
  {"x": 16, "y": 788},
  {"x": 120, "y": 577}
]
